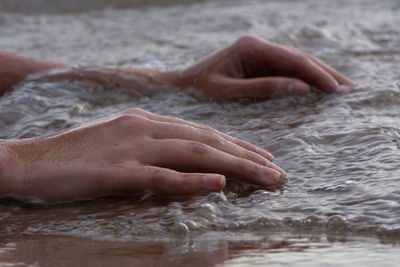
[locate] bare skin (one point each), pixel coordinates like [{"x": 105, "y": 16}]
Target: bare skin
[
  {"x": 134, "y": 151},
  {"x": 137, "y": 151},
  {"x": 254, "y": 67}
]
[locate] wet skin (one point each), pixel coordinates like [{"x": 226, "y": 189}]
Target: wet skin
[{"x": 138, "y": 151}]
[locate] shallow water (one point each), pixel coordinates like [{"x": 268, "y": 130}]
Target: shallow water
[{"x": 341, "y": 201}]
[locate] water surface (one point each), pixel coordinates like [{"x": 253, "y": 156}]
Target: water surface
[{"x": 341, "y": 200}]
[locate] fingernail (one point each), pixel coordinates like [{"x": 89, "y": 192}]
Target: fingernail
[
  {"x": 330, "y": 86},
  {"x": 276, "y": 167},
  {"x": 352, "y": 84},
  {"x": 269, "y": 176},
  {"x": 343, "y": 89},
  {"x": 265, "y": 154},
  {"x": 214, "y": 181},
  {"x": 298, "y": 88}
]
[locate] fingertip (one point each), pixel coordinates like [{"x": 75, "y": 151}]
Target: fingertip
[
  {"x": 352, "y": 84},
  {"x": 265, "y": 154},
  {"x": 276, "y": 167},
  {"x": 348, "y": 82},
  {"x": 298, "y": 88},
  {"x": 269, "y": 176},
  {"x": 344, "y": 81},
  {"x": 343, "y": 89},
  {"x": 331, "y": 87},
  {"x": 341, "y": 78},
  {"x": 214, "y": 182}
]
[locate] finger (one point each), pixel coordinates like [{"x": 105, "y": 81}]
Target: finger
[
  {"x": 167, "y": 130},
  {"x": 265, "y": 87},
  {"x": 304, "y": 68},
  {"x": 166, "y": 181},
  {"x": 234, "y": 140},
  {"x": 343, "y": 80},
  {"x": 194, "y": 156},
  {"x": 287, "y": 62}
]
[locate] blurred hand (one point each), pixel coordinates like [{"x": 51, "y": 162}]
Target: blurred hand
[
  {"x": 248, "y": 67},
  {"x": 254, "y": 67},
  {"x": 133, "y": 151}
]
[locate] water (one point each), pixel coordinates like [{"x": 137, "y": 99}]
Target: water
[{"x": 341, "y": 201}]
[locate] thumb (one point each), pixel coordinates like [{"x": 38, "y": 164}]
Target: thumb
[{"x": 264, "y": 87}]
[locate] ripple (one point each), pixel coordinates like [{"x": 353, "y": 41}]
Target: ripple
[{"x": 341, "y": 152}]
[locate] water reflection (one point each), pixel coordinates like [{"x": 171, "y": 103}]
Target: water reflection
[{"x": 305, "y": 250}]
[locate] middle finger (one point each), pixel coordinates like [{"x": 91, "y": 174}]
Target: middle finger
[{"x": 166, "y": 130}]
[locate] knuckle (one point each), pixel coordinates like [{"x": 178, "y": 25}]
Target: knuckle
[
  {"x": 256, "y": 158},
  {"x": 131, "y": 121},
  {"x": 163, "y": 183},
  {"x": 249, "y": 147},
  {"x": 246, "y": 166},
  {"x": 211, "y": 138},
  {"x": 293, "y": 50},
  {"x": 302, "y": 59},
  {"x": 197, "y": 147},
  {"x": 247, "y": 39},
  {"x": 156, "y": 180},
  {"x": 187, "y": 183},
  {"x": 137, "y": 111},
  {"x": 205, "y": 127},
  {"x": 121, "y": 119},
  {"x": 241, "y": 142},
  {"x": 153, "y": 172}
]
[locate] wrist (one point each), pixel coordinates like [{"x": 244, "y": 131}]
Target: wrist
[
  {"x": 157, "y": 77},
  {"x": 15, "y": 68},
  {"x": 10, "y": 170},
  {"x": 177, "y": 78}
]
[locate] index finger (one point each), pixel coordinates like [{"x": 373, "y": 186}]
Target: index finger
[
  {"x": 268, "y": 59},
  {"x": 237, "y": 141},
  {"x": 298, "y": 65},
  {"x": 343, "y": 80}
]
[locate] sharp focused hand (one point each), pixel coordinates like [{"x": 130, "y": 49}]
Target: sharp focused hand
[{"x": 134, "y": 151}]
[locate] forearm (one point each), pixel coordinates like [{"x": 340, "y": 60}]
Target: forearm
[
  {"x": 3, "y": 179},
  {"x": 15, "y": 68},
  {"x": 152, "y": 76},
  {"x": 8, "y": 170}
]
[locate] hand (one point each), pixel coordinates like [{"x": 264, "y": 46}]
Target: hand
[
  {"x": 133, "y": 151},
  {"x": 254, "y": 67},
  {"x": 248, "y": 67}
]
